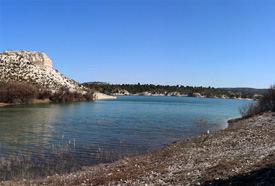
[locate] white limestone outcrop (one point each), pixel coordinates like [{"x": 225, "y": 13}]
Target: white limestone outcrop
[
  {"x": 37, "y": 58},
  {"x": 36, "y": 68},
  {"x": 121, "y": 92},
  {"x": 99, "y": 95}
]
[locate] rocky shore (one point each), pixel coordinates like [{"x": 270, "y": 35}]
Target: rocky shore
[
  {"x": 242, "y": 154},
  {"x": 178, "y": 94}
]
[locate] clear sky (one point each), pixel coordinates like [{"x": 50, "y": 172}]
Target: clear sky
[{"x": 219, "y": 43}]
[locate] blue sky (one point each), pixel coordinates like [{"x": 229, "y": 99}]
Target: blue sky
[{"x": 219, "y": 43}]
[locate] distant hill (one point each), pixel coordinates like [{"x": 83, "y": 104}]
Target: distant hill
[
  {"x": 246, "y": 90},
  {"x": 166, "y": 90},
  {"x": 96, "y": 83}
]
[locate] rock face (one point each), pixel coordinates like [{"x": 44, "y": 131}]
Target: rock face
[
  {"x": 36, "y": 68},
  {"x": 121, "y": 92},
  {"x": 37, "y": 58}
]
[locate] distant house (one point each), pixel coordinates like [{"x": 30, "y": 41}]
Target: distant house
[{"x": 96, "y": 83}]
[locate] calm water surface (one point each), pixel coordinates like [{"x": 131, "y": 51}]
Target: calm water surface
[{"x": 66, "y": 136}]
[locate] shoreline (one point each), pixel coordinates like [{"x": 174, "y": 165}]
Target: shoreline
[
  {"x": 140, "y": 94},
  {"x": 246, "y": 146},
  {"x": 101, "y": 96},
  {"x": 34, "y": 101},
  {"x": 98, "y": 96}
]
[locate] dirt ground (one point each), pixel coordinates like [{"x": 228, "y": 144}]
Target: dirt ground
[{"x": 242, "y": 154}]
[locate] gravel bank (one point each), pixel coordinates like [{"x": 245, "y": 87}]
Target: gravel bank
[{"x": 242, "y": 154}]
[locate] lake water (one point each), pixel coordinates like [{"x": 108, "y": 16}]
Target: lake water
[{"x": 45, "y": 138}]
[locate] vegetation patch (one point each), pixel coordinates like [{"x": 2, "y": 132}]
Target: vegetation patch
[
  {"x": 17, "y": 92},
  {"x": 265, "y": 104},
  {"x": 22, "y": 92},
  {"x": 189, "y": 91}
]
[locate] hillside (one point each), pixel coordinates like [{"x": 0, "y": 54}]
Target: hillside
[
  {"x": 166, "y": 90},
  {"x": 247, "y": 90},
  {"x": 36, "y": 68}
]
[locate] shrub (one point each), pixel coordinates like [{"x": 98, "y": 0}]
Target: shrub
[
  {"x": 62, "y": 95},
  {"x": 17, "y": 92},
  {"x": 78, "y": 96},
  {"x": 23, "y": 92},
  {"x": 250, "y": 109},
  {"x": 65, "y": 95},
  {"x": 265, "y": 104},
  {"x": 89, "y": 96},
  {"x": 44, "y": 94}
]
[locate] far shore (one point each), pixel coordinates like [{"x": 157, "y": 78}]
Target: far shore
[
  {"x": 241, "y": 154},
  {"x": 141, "y": 94},
  {"x": 99, "y": 95},
  {"x": 102, "y": 96}
]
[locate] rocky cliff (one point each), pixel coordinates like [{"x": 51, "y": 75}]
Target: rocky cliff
[
  {"x": 34, "y": 67},
  {"x": 37, "y": 58}
]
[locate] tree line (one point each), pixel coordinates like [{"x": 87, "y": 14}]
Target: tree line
[{"x": 138, "y": 88}]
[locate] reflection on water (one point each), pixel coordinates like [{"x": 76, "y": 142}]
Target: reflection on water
[
  {"x": 45, "y": 138},
  {"x": 26, "y": 128}
]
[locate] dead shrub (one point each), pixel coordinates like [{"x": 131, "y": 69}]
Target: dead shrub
[
  {"x": 44, "y": 94},
  {"x": 23, "y": 92},
  {"x": 17, "y": 92},
  {"x": 250, "y": 109},
  {"x": 265, "y": 104},
  {"x": 62, "y": 95},
  {"x": 65, "y": 95},
  {"x": 89, "y": 96},
  {"x": 78, "y": 96}
]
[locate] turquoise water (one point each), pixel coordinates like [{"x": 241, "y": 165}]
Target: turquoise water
[{"x": 66, "y": 136}]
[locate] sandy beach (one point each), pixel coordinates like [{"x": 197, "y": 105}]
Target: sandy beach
[{"x": 242, "y": 154}]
